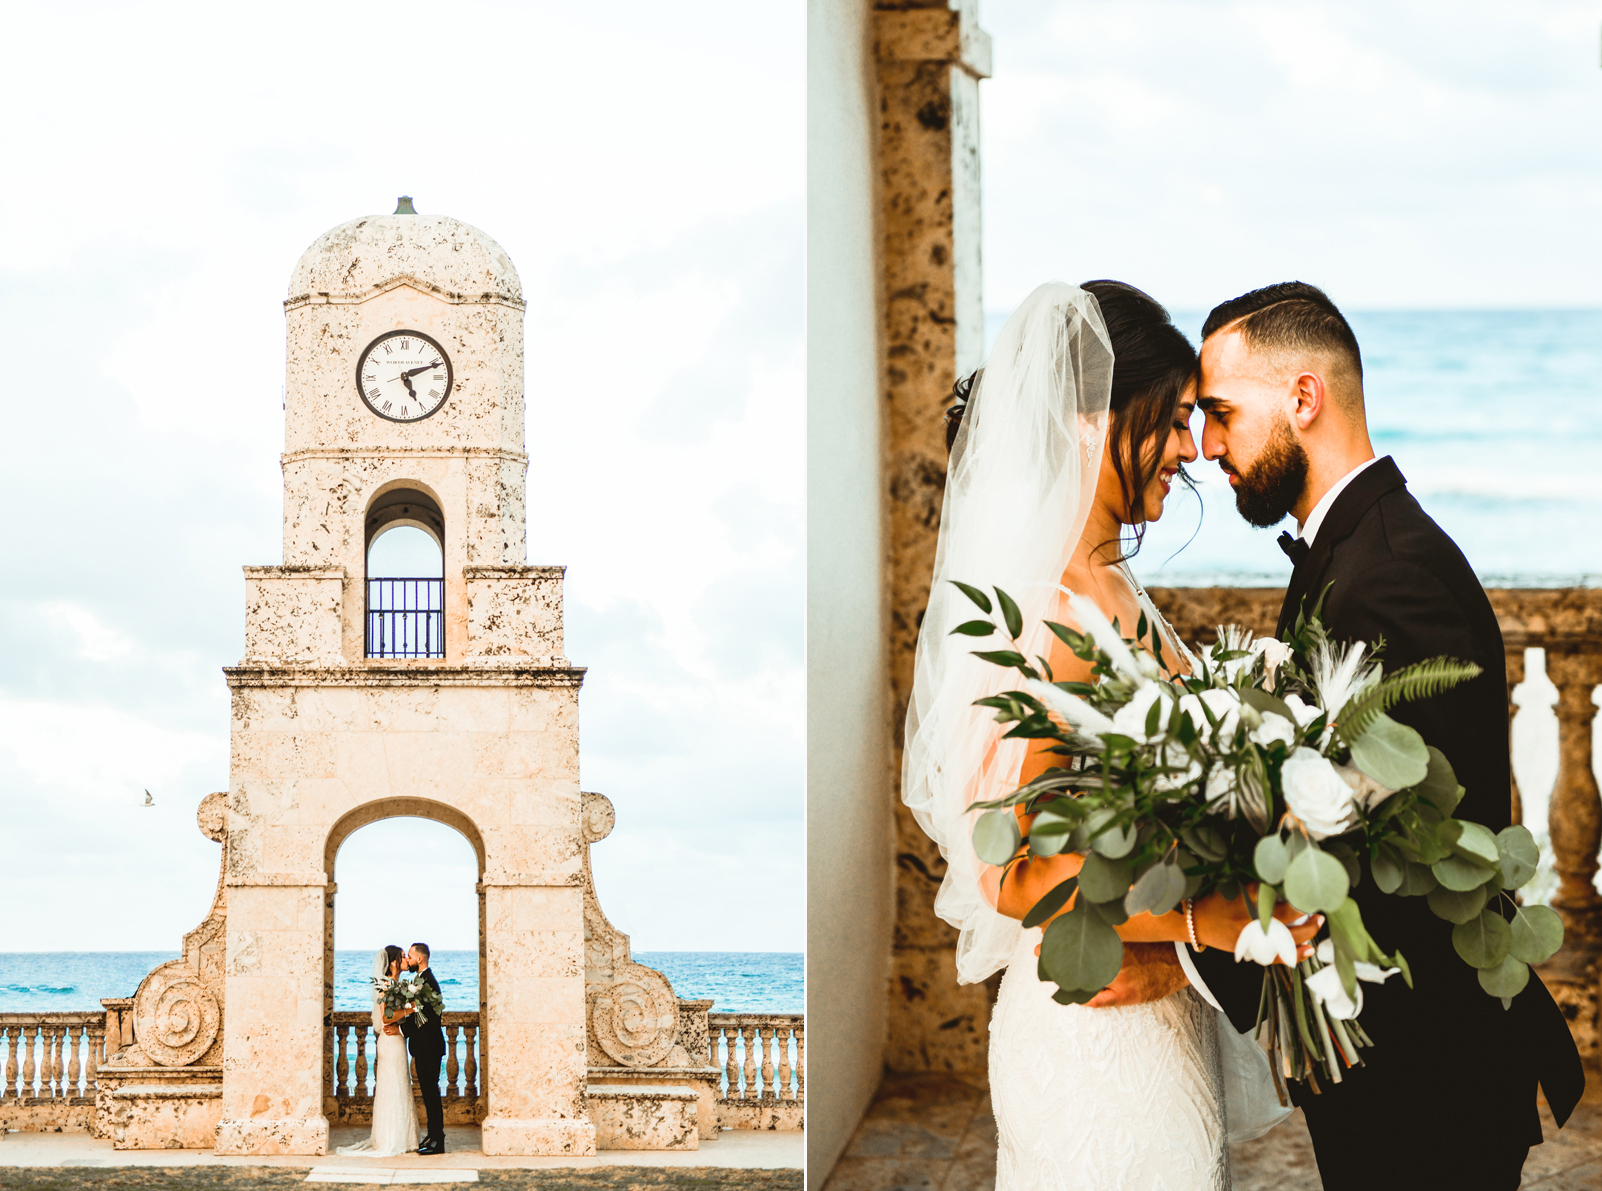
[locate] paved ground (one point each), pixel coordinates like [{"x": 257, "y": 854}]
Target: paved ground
[
  {"x": 270, "y": 1178},
  {"x": 935, "y": 1133},
  {"x": 736, "y": 1149}
]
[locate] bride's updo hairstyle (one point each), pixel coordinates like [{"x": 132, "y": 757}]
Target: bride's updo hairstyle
[
  {"x": 391, "y": 954},
  {"x": 1152, "y": 364}
]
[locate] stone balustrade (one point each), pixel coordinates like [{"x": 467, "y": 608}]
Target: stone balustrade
[
  {"x": 51, "y": 1065},
  {"x": 355, "y": 1051},
  {"x": 1565, "y": 624},
  {"x": 763, "y": 1059}
]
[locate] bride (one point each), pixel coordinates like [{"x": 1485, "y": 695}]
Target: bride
[
  {"x": 1062, "y": 448},
  {"x": 394, "y": 1115}
]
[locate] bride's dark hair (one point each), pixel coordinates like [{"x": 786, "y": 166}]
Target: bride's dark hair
[
  {"x": 1152, "y": 364},
  {"x": 391, "y": 954}
]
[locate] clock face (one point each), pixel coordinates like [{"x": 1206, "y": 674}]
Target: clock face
[{"x": 404, "y": 376}]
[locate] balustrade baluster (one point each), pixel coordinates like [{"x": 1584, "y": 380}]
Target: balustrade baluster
[
  {"x": 91, "y": 1074},
  {"x": 472, "y": 1061},
  {"x": 1515, "y": 675},
  {"x": 749, "y": 1087},
  {"x": 766, "y": 1036},
  {"x": 784, "y": 1034},
  {"x": 54, "y": 1052},
  {"x": 451, "y": 1070},
  {"x": 800, "y": 1060},
  {"x": 361, "y": 1062},
  {"x": 1576, "y": 813},
  {"x": 731, "y": 1069},
  {"x": 26, "y": 1090},
  {"x": 8, "y": 1038},
  {"x": 342, "y": 1063},
  {"x": 72, "y": 1062}
]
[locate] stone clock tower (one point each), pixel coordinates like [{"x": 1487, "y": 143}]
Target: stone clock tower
[{"x": 448, "y": 699}]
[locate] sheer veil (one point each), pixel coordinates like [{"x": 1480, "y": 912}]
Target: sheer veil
[{"x": 1018, "y": 488}]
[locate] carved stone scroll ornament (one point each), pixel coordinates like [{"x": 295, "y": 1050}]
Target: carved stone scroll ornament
[{"x": 176, "y": 1016}]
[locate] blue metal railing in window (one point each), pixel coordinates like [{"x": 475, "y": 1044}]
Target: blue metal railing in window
[{"x": 406, "y": 618}]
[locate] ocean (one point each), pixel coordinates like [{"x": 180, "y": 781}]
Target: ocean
[{"x": 737, "y": 981}]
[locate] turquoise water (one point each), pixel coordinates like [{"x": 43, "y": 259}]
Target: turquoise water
[
  {"x": 738, "y": 982},
  {"x": 1491, "y": 416}
]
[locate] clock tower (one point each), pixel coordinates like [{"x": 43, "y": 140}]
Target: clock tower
[{"x": 361, "y": 698}]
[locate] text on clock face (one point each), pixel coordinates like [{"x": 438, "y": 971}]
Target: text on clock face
[{"x": 404, "y": 376}]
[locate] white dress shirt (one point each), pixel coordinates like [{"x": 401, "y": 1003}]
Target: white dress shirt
[{"x": 1307, "y": 531}]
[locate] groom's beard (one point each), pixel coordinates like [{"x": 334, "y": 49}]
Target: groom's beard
[{"x": 1270, "y": 487}]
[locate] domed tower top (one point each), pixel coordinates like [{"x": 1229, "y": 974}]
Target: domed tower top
[{"x": 442, "y": 253}]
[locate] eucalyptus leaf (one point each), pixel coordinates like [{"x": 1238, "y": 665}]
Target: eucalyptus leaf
[
  {"x": 996, "y": 837},
  {"x": 1476, "y": 843},
  {"x": 1417, "y": 881},
  {"x": 1483, "y": 941},
  {"x": 1206, "y": 841},
  {"x": 1389, "y": 869},
  {"x": 1518, "y": 855},
  {"x": 1392, "y": 754},
  {"x": 1073, "y": 996},
  {"x": 1113, "y": 842},
  {"x": 1267, "y": 895},
  {"x": 1112, "y": 913},
  {"x": 1457, "y": 907},
  {"x": 1460, "y": 874},
  {"x": 1316, "y": 881},
  {"x": 1104, "y": 879},
  {"x": 1055, "y": 900},
  {"x": 1260, "y": 699},
  {"x": 1439, "y": 786},
  {"x": 974, "y": 594},
  {"x": 1158, "y": 890},
  {"x": 1507, "y": 979},
  {"x": 1537, "y": 934},
  {"x": 1080, "y": 951},
  {"x": 1270, "y": 859}
]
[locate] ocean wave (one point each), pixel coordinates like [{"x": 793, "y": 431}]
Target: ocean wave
[{"x": 40, "y": 989}]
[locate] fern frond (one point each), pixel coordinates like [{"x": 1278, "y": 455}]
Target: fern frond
[{"x": 1422, "y": 681}]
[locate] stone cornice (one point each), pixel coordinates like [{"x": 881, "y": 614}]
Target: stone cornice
[
  {"x": 381, "y": 453},
  {"x": 556, "y": 674},
  {"x": 932, "y": 35},
  {"x": 488, "y": 298},
  {"x": 514, "y": 571}
]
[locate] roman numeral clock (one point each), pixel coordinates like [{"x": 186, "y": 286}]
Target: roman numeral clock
[{"x": 404, "y": 376}]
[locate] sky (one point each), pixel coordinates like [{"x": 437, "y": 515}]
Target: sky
[
  {"x": 165, "y": 165},
  {"x": 1404, "y": 154}
]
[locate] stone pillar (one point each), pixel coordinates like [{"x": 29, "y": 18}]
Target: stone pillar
[
  {"x": 1576, "y": 828},
  {"x": 1515, "y": 675},
  {"x": 930, "y": 59}
]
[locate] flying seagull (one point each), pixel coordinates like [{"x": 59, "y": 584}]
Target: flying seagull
[{"x": 149, "y": 799}]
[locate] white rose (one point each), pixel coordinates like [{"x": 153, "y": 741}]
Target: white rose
[
  {"x": 1316, "y": 794},
  {"x": 1305, "y": 713},
  {"x": 1274, "y": 652},
  {"x": 1274, "y": 729},
  {"x": 1225, "y": 706},
  {"x": 1174, "y": 756},
  {"x": 1130, "y": 719},
  {"x": 1278, "y": 943},
  {"x": 1366, "y": 792}
]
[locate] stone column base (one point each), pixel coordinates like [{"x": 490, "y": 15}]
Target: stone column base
[
  {"x": 273, "y": 1135},
  {"x": 548, "y": 1137}
]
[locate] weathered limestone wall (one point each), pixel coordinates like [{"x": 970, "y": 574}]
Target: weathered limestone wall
[
  {"x": 850, "y": 907},
  {"x": 930, "y": 60}
]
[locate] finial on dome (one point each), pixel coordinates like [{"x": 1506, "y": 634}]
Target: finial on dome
[{"x": 403, "y": 205}]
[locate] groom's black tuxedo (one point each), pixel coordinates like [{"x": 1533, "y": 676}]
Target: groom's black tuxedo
[
  {"x": 1447, "y": 1096},
  {"x": 427, "y": 1044}
]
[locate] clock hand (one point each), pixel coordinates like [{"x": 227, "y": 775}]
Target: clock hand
[
  {"x": 424, "y": 368},
  {"x": 406, "y": 379}
]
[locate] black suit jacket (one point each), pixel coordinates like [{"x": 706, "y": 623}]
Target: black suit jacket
[
  {"x": 424, "y": 1041},
  {"x": 1448, "y": 1059}
]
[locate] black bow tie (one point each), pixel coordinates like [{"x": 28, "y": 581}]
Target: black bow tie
[{"x": 1295, "y": 549}]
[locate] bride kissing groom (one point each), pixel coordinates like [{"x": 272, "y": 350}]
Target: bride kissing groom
[{"x": 1063, "y": 448}]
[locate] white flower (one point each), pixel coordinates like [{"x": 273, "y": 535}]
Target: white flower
[
  {"x": 1130, "y": 719},
  {"x": 1315, "y": 794},
  {"x": 1305, "y": 713},
  {"x": 1326, "y": 986},
  {"x": 1265, "y": 947},
  {"x": 1234, "y": 638},
  {"x": 1220, "y": 790},
  {"x": 1274, "y": 729},
  {"x": 1070, "y": 708},
  {"x": 1274, "y": 652},
  {"x": 1176, "y": 757},
  {"x": 1341, "y": 672},
  {"x": 1225, "y": 706},
  {"x": 1106, "y": 638},
  {"x": 1366, "y": 792}
]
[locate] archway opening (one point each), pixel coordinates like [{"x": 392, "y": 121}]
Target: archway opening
[
  {"x": 405, "y": 576},
  {"x": 404, "y": 873}
]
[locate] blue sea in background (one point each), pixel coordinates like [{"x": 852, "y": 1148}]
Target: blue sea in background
[
  {"x": 738, "y": 981},
  {"x": 1491, "y": 415}
]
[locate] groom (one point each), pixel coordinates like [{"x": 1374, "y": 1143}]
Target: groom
[
  {"x": 1447, "y": 1097},
  {"x": 427, "y": 1044}
]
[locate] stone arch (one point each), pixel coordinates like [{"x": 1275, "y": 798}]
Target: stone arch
[
  {"x": 404, "y": 502},
  {"x": 342, "y": 829}
]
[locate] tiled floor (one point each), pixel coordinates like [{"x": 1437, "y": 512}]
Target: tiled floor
[{"x": 935, "y": 1133}]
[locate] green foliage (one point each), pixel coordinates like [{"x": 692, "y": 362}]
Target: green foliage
[
  {"x": 1392, "y": 754},
  {"x": 975, "y": 628},
  {"x": 1270, "y": 858},
  {"x": 1080, "y": 951},
  {"x": 1537, "y": 934},
  {"x": 1460, "y": 874},
  {"x": 974, "y": 594},
  {"x": 1457, "y": 907},
  {"x": 1055, "y": 900},
  {"x": 1103, "y": 879},
  {"x": 1010, "y": 614},
  {"x": 1423, "y": 680},
  {"x": 996, "y": 837},
  {"x": 1483, "y": 941},
  {"x": 1518, "y": 855},
  {"x": 1316, "y": 881},
  {"x": 1507, "y": 979}
]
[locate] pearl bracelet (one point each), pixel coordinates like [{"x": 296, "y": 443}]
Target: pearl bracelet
[{"x": 1190, "y": 925}]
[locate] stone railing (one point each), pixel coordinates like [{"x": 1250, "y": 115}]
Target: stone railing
[
  {"x": 51, "y": 1065},
  {"x": 355, "y": 1051},
  {"x": 1565, "y": 624},
  {"x": 763, "y": 1060}
]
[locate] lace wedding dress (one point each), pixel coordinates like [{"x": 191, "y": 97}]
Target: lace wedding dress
[{"x": 394, "y": 1116}]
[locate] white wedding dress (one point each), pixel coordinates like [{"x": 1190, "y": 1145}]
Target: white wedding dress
[
  {"x": 394, "y": 1129},
  {"x": 1118, "y": 1099}
]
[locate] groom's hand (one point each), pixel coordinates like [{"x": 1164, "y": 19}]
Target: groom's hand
[
  {"x": 1151, "y": 972},
  {"x": 392, "y": 1029}
]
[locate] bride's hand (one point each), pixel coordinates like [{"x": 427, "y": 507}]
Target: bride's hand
[{"x": 1219, "y": 921}]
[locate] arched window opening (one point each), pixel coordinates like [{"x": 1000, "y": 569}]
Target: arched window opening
[{"x": 405, "y": 576}]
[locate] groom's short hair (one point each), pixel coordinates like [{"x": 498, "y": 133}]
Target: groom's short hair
[
  {"x": 1290, "y": 316},
  {"x": 423, "y": 947}
]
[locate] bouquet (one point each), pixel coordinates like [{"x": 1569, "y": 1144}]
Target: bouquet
[
  {"x": 411, "y": 990},
  {"x": 1274, "y": 762}
]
